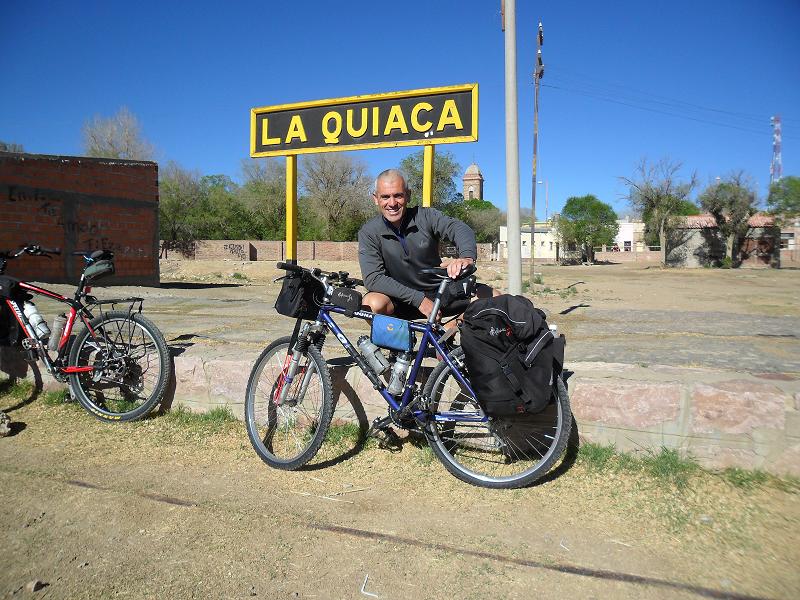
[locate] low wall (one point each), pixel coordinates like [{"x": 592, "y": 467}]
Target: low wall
[
  {"x": 645, "y": 256},
  {"x": 721, "y": 418},
  {"x": 274, "y": 250}
]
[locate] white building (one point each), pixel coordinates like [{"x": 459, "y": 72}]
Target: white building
[
  {"x": 630, "y": 235},
  {"x": 544, "y": 237}
]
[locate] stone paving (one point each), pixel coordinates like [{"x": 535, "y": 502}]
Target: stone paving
[{"x": 725, "y": 387}]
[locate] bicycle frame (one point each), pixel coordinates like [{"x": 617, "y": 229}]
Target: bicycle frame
[
  {"x": 56, "y": 367},
  {"x": 429, "y": 339}
]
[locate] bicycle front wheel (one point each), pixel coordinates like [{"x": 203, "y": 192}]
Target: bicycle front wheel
[
  {"x": 129, "y": 363},
  {"x": 505, "y": 452},
  {"x": 287, "y": 433}
]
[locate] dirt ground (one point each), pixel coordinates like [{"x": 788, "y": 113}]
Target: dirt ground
[{"x": 157, "y": 509}]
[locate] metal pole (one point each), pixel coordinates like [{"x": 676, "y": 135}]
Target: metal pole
[
  {"x": 533, "y": 186},
  {"x": 427, "y": 175},
  {"x": 512, "y": 151},
  {"x": 537, "y": 75},
  {"x": 291, "y": 209}
]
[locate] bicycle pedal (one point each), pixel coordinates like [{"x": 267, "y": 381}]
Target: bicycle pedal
[{"x": 389, "y": 440}]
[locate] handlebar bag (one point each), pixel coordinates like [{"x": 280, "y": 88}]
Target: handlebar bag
[
  {"x": 99, "y": 269},
  {"x": 392, "y": 333},
  {"x": 458, "y": 293},
  {"x": 346, "y": 298},
  {"x": 300, "y": 297}
]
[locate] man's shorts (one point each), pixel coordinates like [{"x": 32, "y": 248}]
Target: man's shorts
[{"x": 409, "y": 313}]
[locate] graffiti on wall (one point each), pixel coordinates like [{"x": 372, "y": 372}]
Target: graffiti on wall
[
  {"x": 237, "y": 250},
  {"x": 91, "y": 234}
]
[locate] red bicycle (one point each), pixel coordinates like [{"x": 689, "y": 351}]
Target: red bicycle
[{"x": 117, "y": 367}]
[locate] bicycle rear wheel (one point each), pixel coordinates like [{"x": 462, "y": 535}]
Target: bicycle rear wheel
[
  {"x": 507, "y": 452},
  {"x": 288, "y": 435},
  {"x": 130, "y": 366}
]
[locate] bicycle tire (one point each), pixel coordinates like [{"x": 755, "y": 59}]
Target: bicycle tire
[
  {"x": 287, "y": 437},
  {"x": 138, "y": 371},
  {"x": 509, "y": 452}
]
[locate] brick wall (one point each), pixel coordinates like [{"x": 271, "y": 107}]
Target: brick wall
[
  {"x": 78, "y": 204},
  {"x": 224, "y": 249}
]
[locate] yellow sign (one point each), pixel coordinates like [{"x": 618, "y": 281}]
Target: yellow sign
[{"x": 416, "y": 117}]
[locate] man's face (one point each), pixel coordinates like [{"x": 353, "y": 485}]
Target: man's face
[{"x": 390, "y": 198}]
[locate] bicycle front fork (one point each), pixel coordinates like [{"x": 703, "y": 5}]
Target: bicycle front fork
[{"x": 300, "y": 349}]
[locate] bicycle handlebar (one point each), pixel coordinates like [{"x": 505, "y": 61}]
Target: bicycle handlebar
[
  {"x": 342, "y": 276},
  {"x": 31, "y": 249}
]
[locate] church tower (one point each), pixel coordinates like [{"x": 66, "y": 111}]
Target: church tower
[{"x": 473, "y": 183}]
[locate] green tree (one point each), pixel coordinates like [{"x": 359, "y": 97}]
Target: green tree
[
  {"x": 587, "y": 222},
  {"x": 116, "y": 137},
  {"x": 445, "y": 171},
  {"x": 10, "y": 147},
  {"x": 731, "y": 202},
  {"x": 482, "y": 216},
  {"x": 656, "y": 193},
  {"x": 684, "y": 208},
  {"x": 784, "y": 197},
  {"x": 263, "y": 193},
  {"x": 180, "y": 193}
]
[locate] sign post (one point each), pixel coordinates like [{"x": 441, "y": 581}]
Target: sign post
[{"x": 422, "y": 117}]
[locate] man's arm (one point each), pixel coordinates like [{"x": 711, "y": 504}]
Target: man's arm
[
  {"x": 373, "y": 271},
  {"x": 461, "y": 234}
]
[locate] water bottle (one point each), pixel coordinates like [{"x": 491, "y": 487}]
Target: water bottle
[
  {"x": 397, "y": 382},
  {"x": 36, "y": 320},
  {"x": 373, "y": 355},
  {"x": 59, "y": 322}
]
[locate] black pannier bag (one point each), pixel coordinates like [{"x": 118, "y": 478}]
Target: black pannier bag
[
  {"x": 346, "y": 298},
  {"x": 10, "y": 331},
  {"x": 511, "y": 355},
  {"x": 300, "y": 297}
]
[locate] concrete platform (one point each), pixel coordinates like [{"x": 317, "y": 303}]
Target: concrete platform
[{"x": 667, "y": 379}]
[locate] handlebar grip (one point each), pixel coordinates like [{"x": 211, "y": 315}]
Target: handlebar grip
[{"x": 290, "y": 267}]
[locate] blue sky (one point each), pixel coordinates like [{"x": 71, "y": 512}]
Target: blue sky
[{"x": 695, "y": 81}]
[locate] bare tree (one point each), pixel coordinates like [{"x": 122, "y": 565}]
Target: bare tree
[
  {"x": 116, "y": 137},
  {"x": 337, "y": 187},
  {"x": 657, "y": 194},
  {"x": 10, "y": 147},
  {"x": 731, "y": 202}
]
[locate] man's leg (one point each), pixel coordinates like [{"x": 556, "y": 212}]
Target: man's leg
[{"x": 378, "y": 303}]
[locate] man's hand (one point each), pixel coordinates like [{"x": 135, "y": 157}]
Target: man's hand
[
  {"x": 457, "y": 265},
  {"x": 426, "y": 307}
]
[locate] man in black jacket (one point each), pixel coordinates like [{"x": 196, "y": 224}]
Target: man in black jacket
[{"x": 395, "y": 245}]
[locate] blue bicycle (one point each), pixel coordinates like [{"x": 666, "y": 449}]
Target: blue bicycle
[{"x": 289, "y": 403}]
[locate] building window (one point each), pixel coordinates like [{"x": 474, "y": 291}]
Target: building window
[
  {"x": 787, "y": 240},
  {"x": 551, "y": 245},
  {"x": 471, "y": 192},
  {"x": 627, "y": 246}
]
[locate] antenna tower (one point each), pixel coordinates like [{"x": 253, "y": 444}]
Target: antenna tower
[{"x": 776, "y": 168}]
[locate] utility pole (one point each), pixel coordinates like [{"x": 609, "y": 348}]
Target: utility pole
[
  {"x": 538, "y": 73},
  {"x": 775, "y": 167},
  {"x": 509, "y": 12}
]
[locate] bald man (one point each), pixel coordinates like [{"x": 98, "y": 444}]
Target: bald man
[{"x": 399, "y": 242}]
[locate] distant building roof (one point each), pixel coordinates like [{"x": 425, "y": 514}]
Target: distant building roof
[
  {"x": 473, "y": 170},
  {"x": 708, "y": 222}
]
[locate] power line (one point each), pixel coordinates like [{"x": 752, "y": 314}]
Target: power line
[
  {"x": 605, "y": 98},
  {"x": 584, "y": 78}
]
